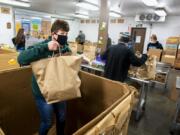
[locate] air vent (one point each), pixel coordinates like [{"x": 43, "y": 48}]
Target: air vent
[
  {"x": 142, "y": 17},
  {"x": 149, "y": 18},
  {"x": 156, "y": 17}
]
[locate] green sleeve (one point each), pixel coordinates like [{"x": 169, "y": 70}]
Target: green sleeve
[
  {"x": 68, "y": 49},
  {"x": 33, "y": 53}
]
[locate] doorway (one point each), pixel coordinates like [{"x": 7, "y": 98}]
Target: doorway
[{"x": 138, "y": 36}]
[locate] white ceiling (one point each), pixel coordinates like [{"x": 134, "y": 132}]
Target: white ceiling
[{"x": 127, "y": 7}]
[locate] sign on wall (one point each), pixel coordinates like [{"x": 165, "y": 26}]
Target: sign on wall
[
  {"x": 8, "y": 25},
  {"x": 5, "y": 10}
]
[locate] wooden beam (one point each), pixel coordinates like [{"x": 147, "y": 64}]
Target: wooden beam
[{"x": 103, "y": 26}]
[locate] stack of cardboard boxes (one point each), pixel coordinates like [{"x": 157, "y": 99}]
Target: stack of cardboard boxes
[
  {"x": 155, "y": 52},
  {"x": 177, "y": 61},
  {"x": 169, "y": 54}
]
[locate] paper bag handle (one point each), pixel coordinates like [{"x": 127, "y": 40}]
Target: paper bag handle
[{"x": 53, "y": 55}]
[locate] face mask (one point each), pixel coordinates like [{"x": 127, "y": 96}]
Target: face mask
[{"x": 62, "y": 40}]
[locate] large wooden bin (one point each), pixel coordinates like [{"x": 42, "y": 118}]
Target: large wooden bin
[{"x": 101, "y": 100}]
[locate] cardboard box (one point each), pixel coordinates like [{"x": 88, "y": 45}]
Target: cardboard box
[
  {"x": 155, "y": 52},
  {"x": 6, "y": 51},
  {"x": 177, "y": 64},
  {"x": 168, "y": 59},
  {"x": 172, "y": 40},
  {"x": 1, "y": 132},
  {"x": 160, "y": 77},
  {"x": 170, "y": 52},
  {"x": 178, "y": 57},
  {"x": 80, "y": 48},
  {"x": 173, "y": 92},
  {"x": 19, "y": 115},
  {"x": 5, "y": 61},
  {"x": 171, "y": 46}
]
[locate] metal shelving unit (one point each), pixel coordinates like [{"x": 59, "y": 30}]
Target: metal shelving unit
[{"x": 162, "y": 68}]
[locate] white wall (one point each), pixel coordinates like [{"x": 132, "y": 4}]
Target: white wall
[
  {"x": 6, "y": 34},
  {"x": 74, "y": 30},
  {"x": 90, "y": 30},
  {"x": 163, "y": 30},
  {"x": 115, "y": 29},
  {"x": 171, "y": 27}
]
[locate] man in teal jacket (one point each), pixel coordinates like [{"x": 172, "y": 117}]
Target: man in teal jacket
[{"x": 39, "y": 51}]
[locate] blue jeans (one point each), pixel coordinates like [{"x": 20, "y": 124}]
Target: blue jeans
[{"x": 46, "y": 114}]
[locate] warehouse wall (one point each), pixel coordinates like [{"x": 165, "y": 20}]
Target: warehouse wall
[
  {"x": 74, "y": 30},
  {"x": 6, "y": 34},
  {"x": 90, "y": 30},
  {"x": 170, "y": 27}
]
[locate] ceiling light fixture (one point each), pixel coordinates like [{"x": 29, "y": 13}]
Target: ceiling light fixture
[
  {"x": 87, "y": 5},
  {"x": 81, "y": 16},
  {"x": 25, "y": 0},
  {"x": 114, "y": 14},
  {"x": 82, "y": 12},
  {"x": 47, "y": 16},
  {"x": 36, "y": 18},
  {"x": 150, "y": 2},
  {"x": 160, "y": 12},
  {"x": 93, "y": 1},
  {"x": 15, "y": 3}
]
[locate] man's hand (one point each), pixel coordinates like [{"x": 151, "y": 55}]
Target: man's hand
[{"x": 53, "y": 46}]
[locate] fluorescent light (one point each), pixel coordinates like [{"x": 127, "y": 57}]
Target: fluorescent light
[
  {"x": 25, "y": 20},
  {"x": 114, "y": 14},
  {"x": 81, "y": 16},
  {"x": 93, "y": 1},
  {"x": 160, "y": 12},
  {"x": 87, "y": 5},
  {"x": 38, "y": 18},
  {"x": 150, "y": 2},
  {"x": 15, "y": 3},
  {"x": 47, "y": 16},
  {"x": 25, "y": 0},
  {"x": 82, "y": 12}
]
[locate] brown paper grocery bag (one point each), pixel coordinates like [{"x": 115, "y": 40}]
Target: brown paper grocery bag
[{"x": 58, "y": 78}]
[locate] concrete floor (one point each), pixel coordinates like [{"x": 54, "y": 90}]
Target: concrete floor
[{"x": 159, "y": 111}]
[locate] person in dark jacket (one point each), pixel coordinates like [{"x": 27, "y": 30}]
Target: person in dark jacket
[
  {"x": 43, "y": 50},
  {"x": 19, "y": 41},
  {"x": 109, "y": 42},
  {"x": 118, "y": 59},
  {"x": 80, "y": 39},
  {"x": 154, "y": 43}
]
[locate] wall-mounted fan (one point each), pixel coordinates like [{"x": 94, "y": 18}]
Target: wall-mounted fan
[
  {"x": 142, "y": 17},
  {"x": 149, "y": 17},
  {"x": 156, "y": 17}
]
